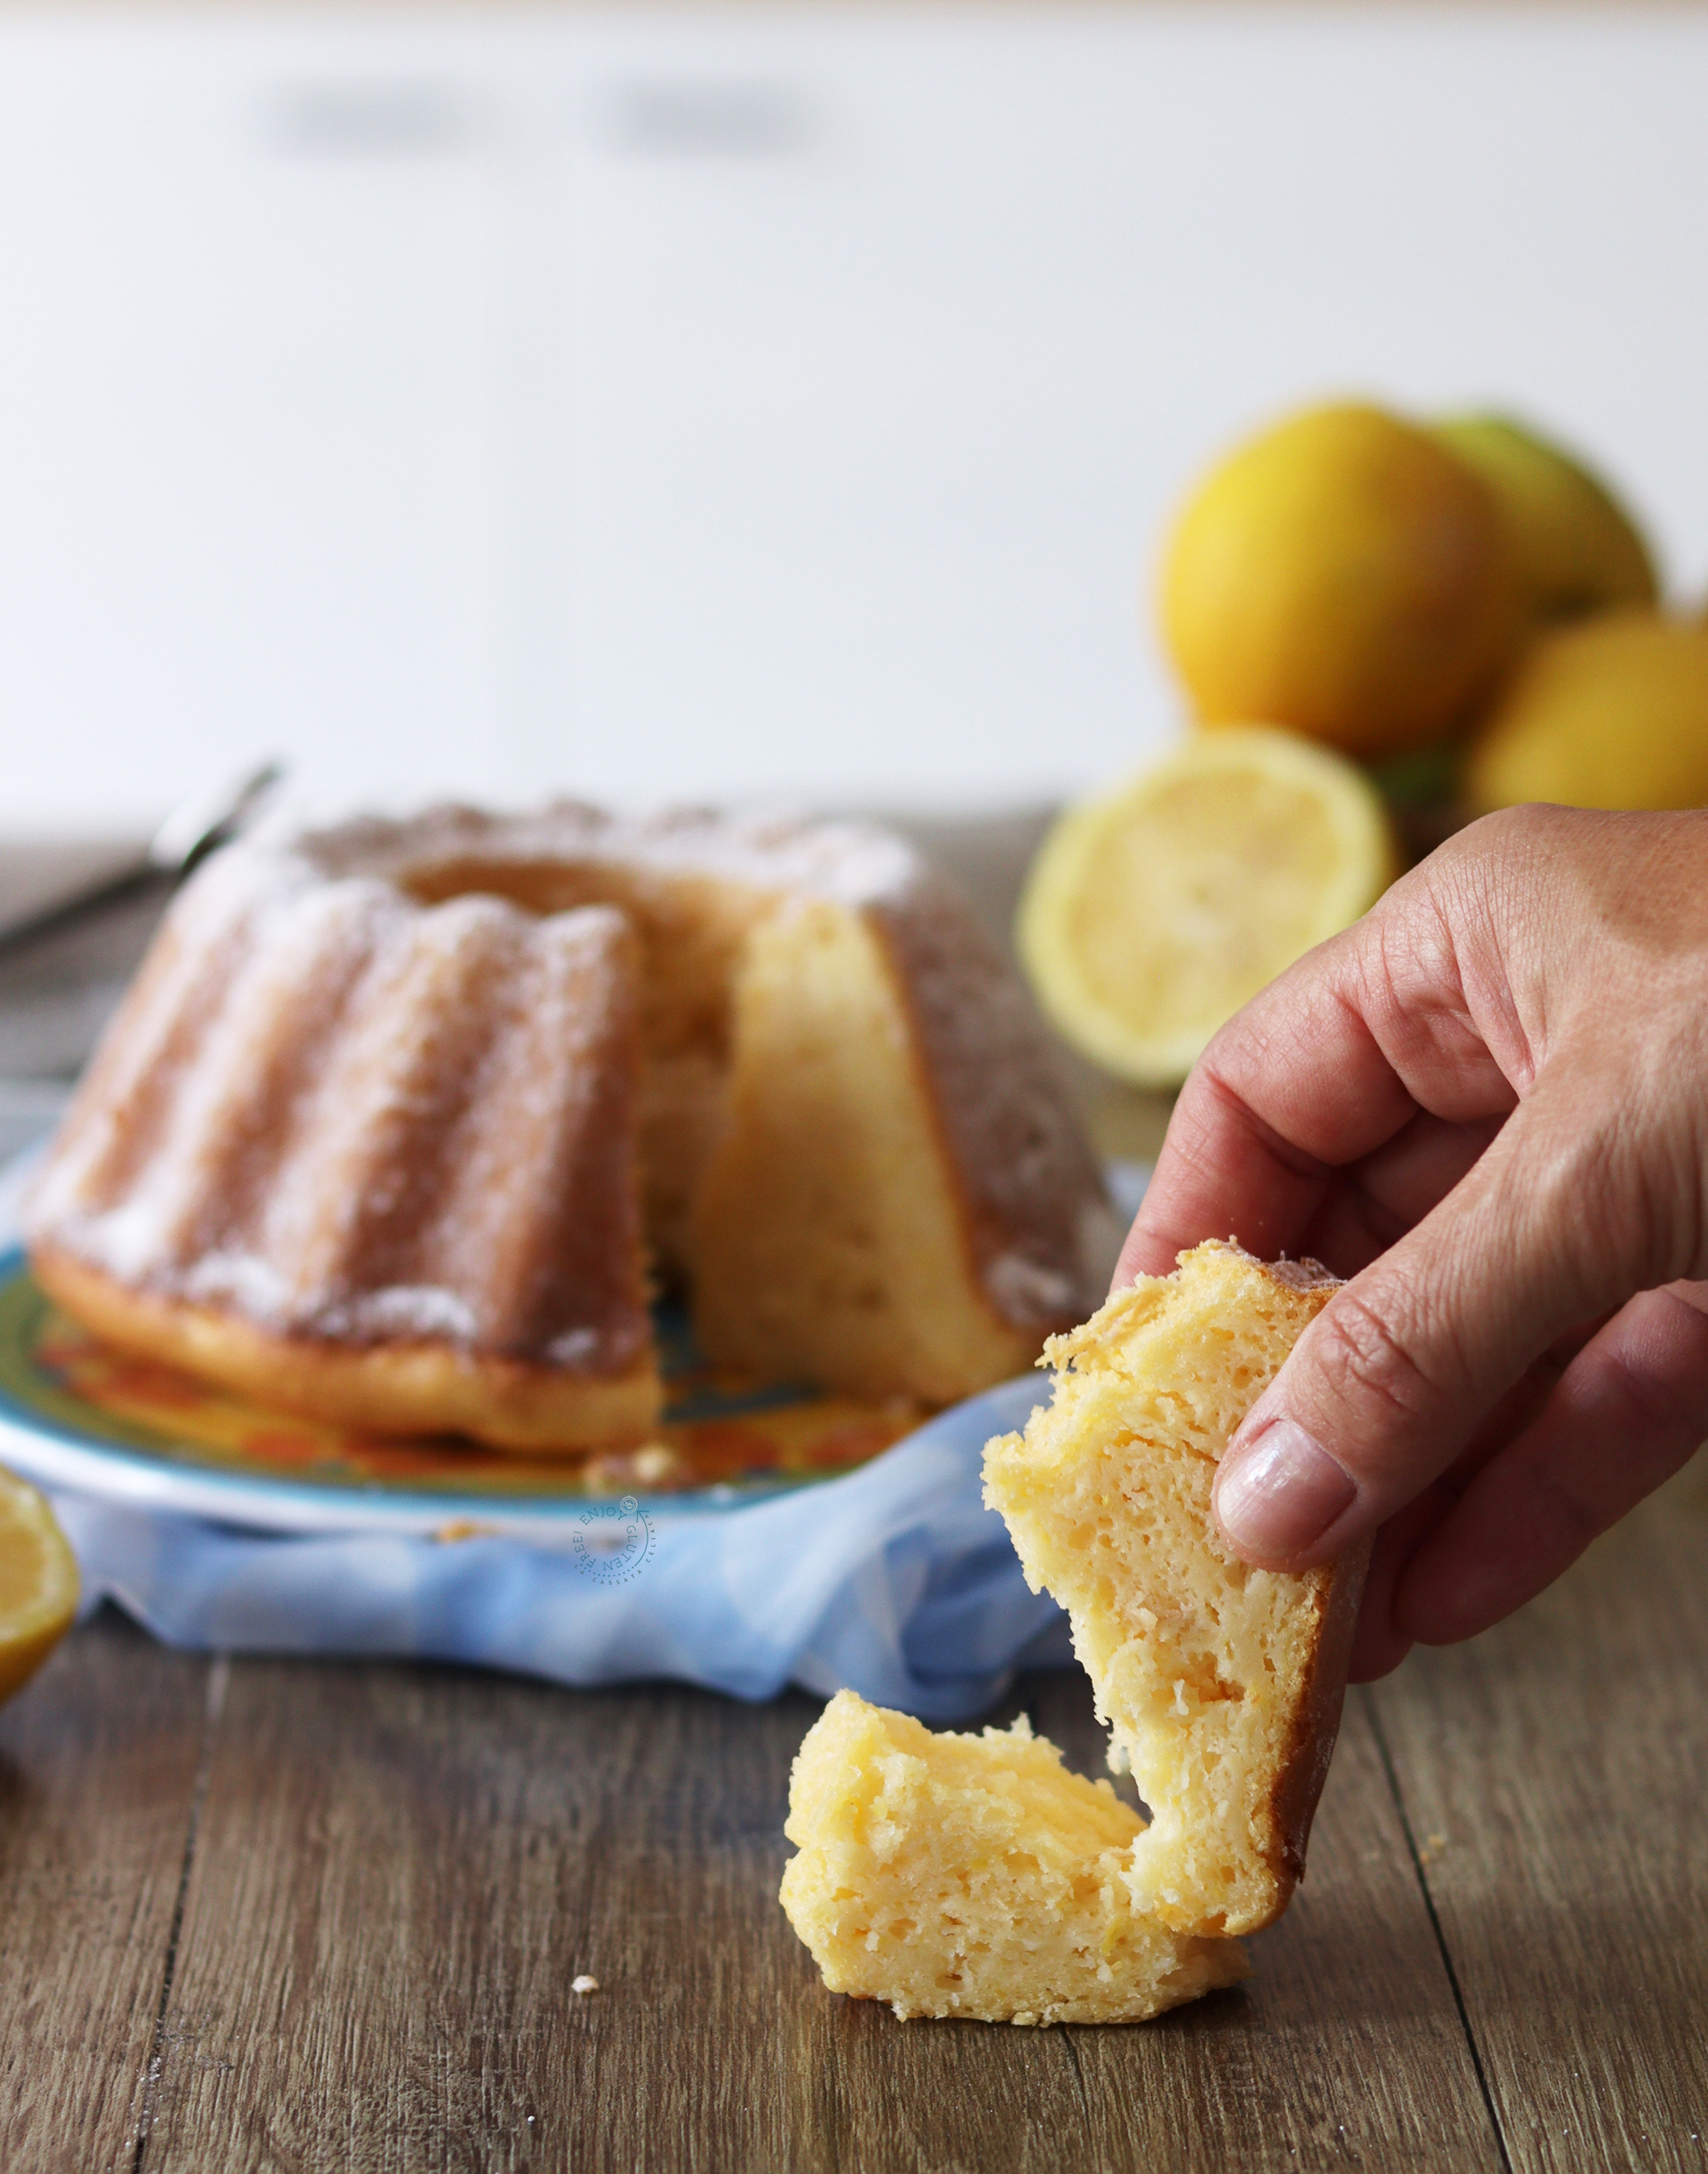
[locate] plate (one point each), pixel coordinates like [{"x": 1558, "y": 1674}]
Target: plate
[{"x": 77, "y": 1414}]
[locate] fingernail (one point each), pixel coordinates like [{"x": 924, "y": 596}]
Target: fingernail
[{"x": 1285, "y": 1491}]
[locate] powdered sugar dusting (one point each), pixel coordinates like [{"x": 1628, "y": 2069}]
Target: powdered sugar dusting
[
  {"x": 371, "y": 1128},
  {"x": 243, "y": 1280},
  {"x": 400, "y": 1313},
  {"x": 1025, "y": 1290},
  {"x": 854, "y": 864},
  {"x": 1306, "y": 1275},
  {"x": 1303, "y": 1275}
]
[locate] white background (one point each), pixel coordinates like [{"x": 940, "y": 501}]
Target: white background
[{"x": 753, "y": 402}]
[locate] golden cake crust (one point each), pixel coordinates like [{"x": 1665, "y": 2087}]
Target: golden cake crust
[{"x": 380, "y": 1388}]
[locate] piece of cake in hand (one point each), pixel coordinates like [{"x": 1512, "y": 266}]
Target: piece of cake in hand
[
  {"x": 1222, "y": 1684},
  {"x": 973, "y": 1875}
]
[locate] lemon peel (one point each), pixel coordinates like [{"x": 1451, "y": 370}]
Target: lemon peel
[
  {"x": 1580, "y": 549},
  {"x": 1607, "y": 713},
  {"x": 1345, "y": 574}
]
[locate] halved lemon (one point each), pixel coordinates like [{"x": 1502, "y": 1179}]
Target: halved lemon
[
  {"x": 1150, "y": 917},
  {"x": 38, "y": 1583}
]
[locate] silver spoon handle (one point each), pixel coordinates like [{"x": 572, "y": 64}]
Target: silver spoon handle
[{"x": 193, "y": 829}]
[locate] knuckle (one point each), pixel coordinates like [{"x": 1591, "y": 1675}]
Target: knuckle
[
  {"x": 1525, "y": 831},
  {"x": 1573, "y": 1520},
  {"x": 1671, "y": 1399},
  {"x": 1400, "y": 972},
  {"x": 1524, "y": 824},
  {"x": 1365, "y": 1361}
]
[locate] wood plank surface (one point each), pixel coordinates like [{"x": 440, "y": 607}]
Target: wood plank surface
[
  {"x": 98, "y": 1774},
  {"x": 398, "y": 1872},
  {"x": 1555, "y": 1775},
  {"x": 1344, "y": 2049}
]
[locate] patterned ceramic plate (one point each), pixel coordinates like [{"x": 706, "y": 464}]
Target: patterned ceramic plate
[{"x": 75, "y": 1414}]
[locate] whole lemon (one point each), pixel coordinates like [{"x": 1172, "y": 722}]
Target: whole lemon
[
  {"x": 1610, "y": 712},
  {"x": 1346, "y": 575},
  {"x": 1579, "y": 549}
]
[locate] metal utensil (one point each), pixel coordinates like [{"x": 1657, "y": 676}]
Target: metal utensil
[{"x": 190, "y": 833}]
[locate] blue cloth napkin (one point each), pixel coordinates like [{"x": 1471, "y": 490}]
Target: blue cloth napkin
[{"x": 894, "y": 1580}]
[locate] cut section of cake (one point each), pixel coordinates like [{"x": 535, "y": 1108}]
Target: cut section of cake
[
  {"x": 975, "y": 1876},
  {"x": 1222, "y": 1685}
]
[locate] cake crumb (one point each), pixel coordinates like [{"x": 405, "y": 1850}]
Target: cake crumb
[
  {"x": 654, "y": 1469},
  {"x": 583, "y": 1984}
]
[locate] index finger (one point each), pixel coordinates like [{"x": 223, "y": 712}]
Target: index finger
[
  {"x": 1295, "y": 1085},
  {"x": 1321, "y": 1069}
]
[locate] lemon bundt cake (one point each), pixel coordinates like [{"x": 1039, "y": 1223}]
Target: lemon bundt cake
[
  {"x": 400, "y": 1119},
  {"x": 974, "y": 1875},
  {"x": 1222, "y": 1684}
]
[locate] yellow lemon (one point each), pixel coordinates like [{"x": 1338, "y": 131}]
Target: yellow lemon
[
  {"x": 1610, "y": 712},
  {"x": 38, "y": 1583},
  {"x": 1346, "y": 575},
  {"x": 1580, "y": 549},
  {"x": 1149, "y": 917}
]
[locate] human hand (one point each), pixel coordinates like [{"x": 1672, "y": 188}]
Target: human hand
[{"x": 1487, "y": 1106}]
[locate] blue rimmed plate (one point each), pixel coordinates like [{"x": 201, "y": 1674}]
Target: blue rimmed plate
[{"x": 77, "y": 1414}]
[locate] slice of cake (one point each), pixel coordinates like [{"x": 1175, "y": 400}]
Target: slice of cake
[
  {"x": 1222, "y": 1684},
  {"x": 973, "y": 1875}
]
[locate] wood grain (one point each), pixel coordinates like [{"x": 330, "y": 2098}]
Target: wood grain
[
  {"x": 1344, "y": 2048},
  {"x": 400, "y": 1871},
  {"x": 1554, "y": 1773},
  {"x": 98, "y": 1766}
]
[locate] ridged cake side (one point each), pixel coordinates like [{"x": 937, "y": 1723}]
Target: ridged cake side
[{"x": 339, "y": 1143}]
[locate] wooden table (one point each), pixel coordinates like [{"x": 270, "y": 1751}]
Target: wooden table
[
  {"x": 282, "y": 1915},
  {"x": 285, "y": 1915}
]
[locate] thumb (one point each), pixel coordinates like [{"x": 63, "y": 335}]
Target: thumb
[{"x": 1394, "y": 1376}]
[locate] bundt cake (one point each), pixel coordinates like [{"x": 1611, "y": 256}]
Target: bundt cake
[
  {"x": 401, "y": 1119},
  {"x": 973, "y": 1875},
  {"x": 963, "y": 1875},
  {"x": 1222, "y": 1684}
]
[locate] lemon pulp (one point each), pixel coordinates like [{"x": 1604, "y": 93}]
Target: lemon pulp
[
  {"x": 38, "y": 1582},
  {"x": 1152, "y": 915}
]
